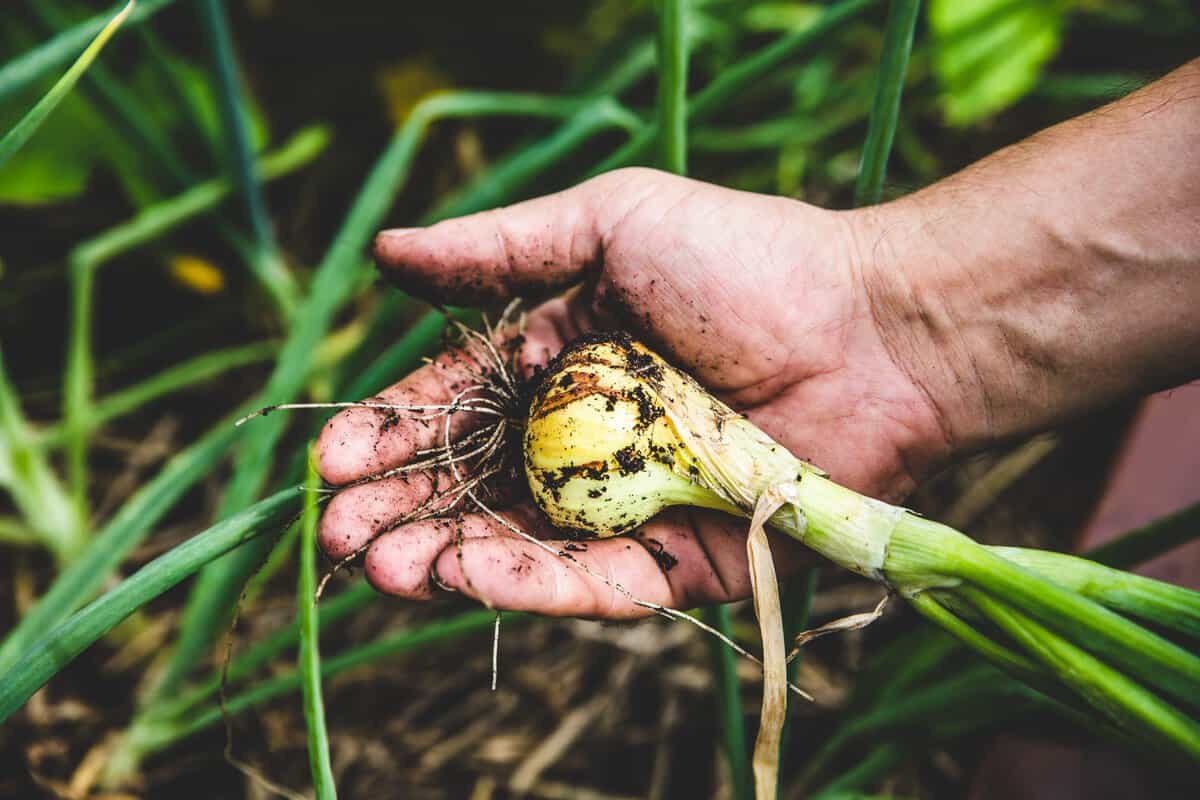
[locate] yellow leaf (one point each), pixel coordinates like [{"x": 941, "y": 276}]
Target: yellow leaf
[
  {"x": 198, "y": 274},
  {"x": 406, "y": 84}
]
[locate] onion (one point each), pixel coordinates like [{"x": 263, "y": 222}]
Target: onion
[{"x": 615, "y": 434}]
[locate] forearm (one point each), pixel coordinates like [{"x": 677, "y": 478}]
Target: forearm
[{"x": 1057, "y": 275}]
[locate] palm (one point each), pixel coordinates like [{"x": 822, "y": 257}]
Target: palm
[{"x": 759, "y": 298}]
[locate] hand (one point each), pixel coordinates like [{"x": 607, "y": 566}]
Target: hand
[{"x": 765, "y": 300}]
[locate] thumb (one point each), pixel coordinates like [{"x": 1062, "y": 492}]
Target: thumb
[{"x": 531, "y": 249}]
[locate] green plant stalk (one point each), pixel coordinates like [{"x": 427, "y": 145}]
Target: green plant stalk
[
  {"x": 511, "y": 174},
  {"x": 1158, "y": 602},
  {"x": 167, "y": 63},
  {"x": 329, "y": 612},
  {"x": 62, "y": 644},
  {"x": 15, "y": 533},
  {"x": 894, "y": 674},
  {"x": 672, "y": 55},
  {"x": 1099, "y": 630},
  {"x": 923, "y": 554},
  {"x": 236, "y": 120},
  {"x": 16, "y": 138},
  {"x": 1150, "y": 540},
  {"x": 877, "y": 763},
  {"x": 309, "y": 658},
  {"x": 105, "y": 84},
  {"x": 90, "y": 256},
  {"x": 79, "y": 380},
  {"x": 915, "y": 656},
  {"x": 160, "y": 218},
  {"x": 219, "y": 586},
  {"x": 29, "y": 67},
  {"x": 974, "y": 692},
  {"x": 737, "y": 77},
  {"x": 775, "y": 133},
  {"x": 26, "y": 472},
  {"x": 729, "y": 704},
  {"x": 278, "y": 558},
  {"x": 86, "y": 572},
  {"x": 129, "y": 111},
  {"x": 185, "y": 375},
  {"x": 881, "y": 129},
  {"x": 1129, "y": 705}
]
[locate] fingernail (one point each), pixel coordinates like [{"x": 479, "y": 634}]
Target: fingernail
[
  {"x": 385, "y": 239},
  {"x": 437, "y": 581},
  {"x": 396, "y": 233}
]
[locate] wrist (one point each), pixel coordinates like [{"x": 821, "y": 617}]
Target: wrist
[
  {"x": 1052, "y": 277},
  {"x": 923, "y": 295}
]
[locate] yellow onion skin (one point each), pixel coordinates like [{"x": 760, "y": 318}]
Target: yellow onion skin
[{"x": 615, "y": 434}]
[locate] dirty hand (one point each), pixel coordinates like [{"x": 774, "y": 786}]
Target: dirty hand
[{"x": 763, "y": 299}]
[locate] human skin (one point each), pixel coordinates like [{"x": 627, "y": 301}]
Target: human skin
[{"x": 1055, "y": 276}]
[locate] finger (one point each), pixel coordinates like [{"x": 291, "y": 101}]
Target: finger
[
  {"x": 360, "y": 442},
  {"x": 400, "y": 562},
  {"x": 680, "y": 560},
  {"x": 357, "y": 514},
  {"x": 530, "y": 249},
  {"x": 361, "y": 512}
]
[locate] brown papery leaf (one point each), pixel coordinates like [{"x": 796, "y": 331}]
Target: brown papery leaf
[{"x": 768, "y": 609}]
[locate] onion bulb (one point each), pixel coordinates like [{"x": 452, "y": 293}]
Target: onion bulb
[{"x": 615, "y": 434}]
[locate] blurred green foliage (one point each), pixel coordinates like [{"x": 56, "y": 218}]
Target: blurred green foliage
[
  {"x": 988, "y": 54},
  {"x": 80, "y": 137}
]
